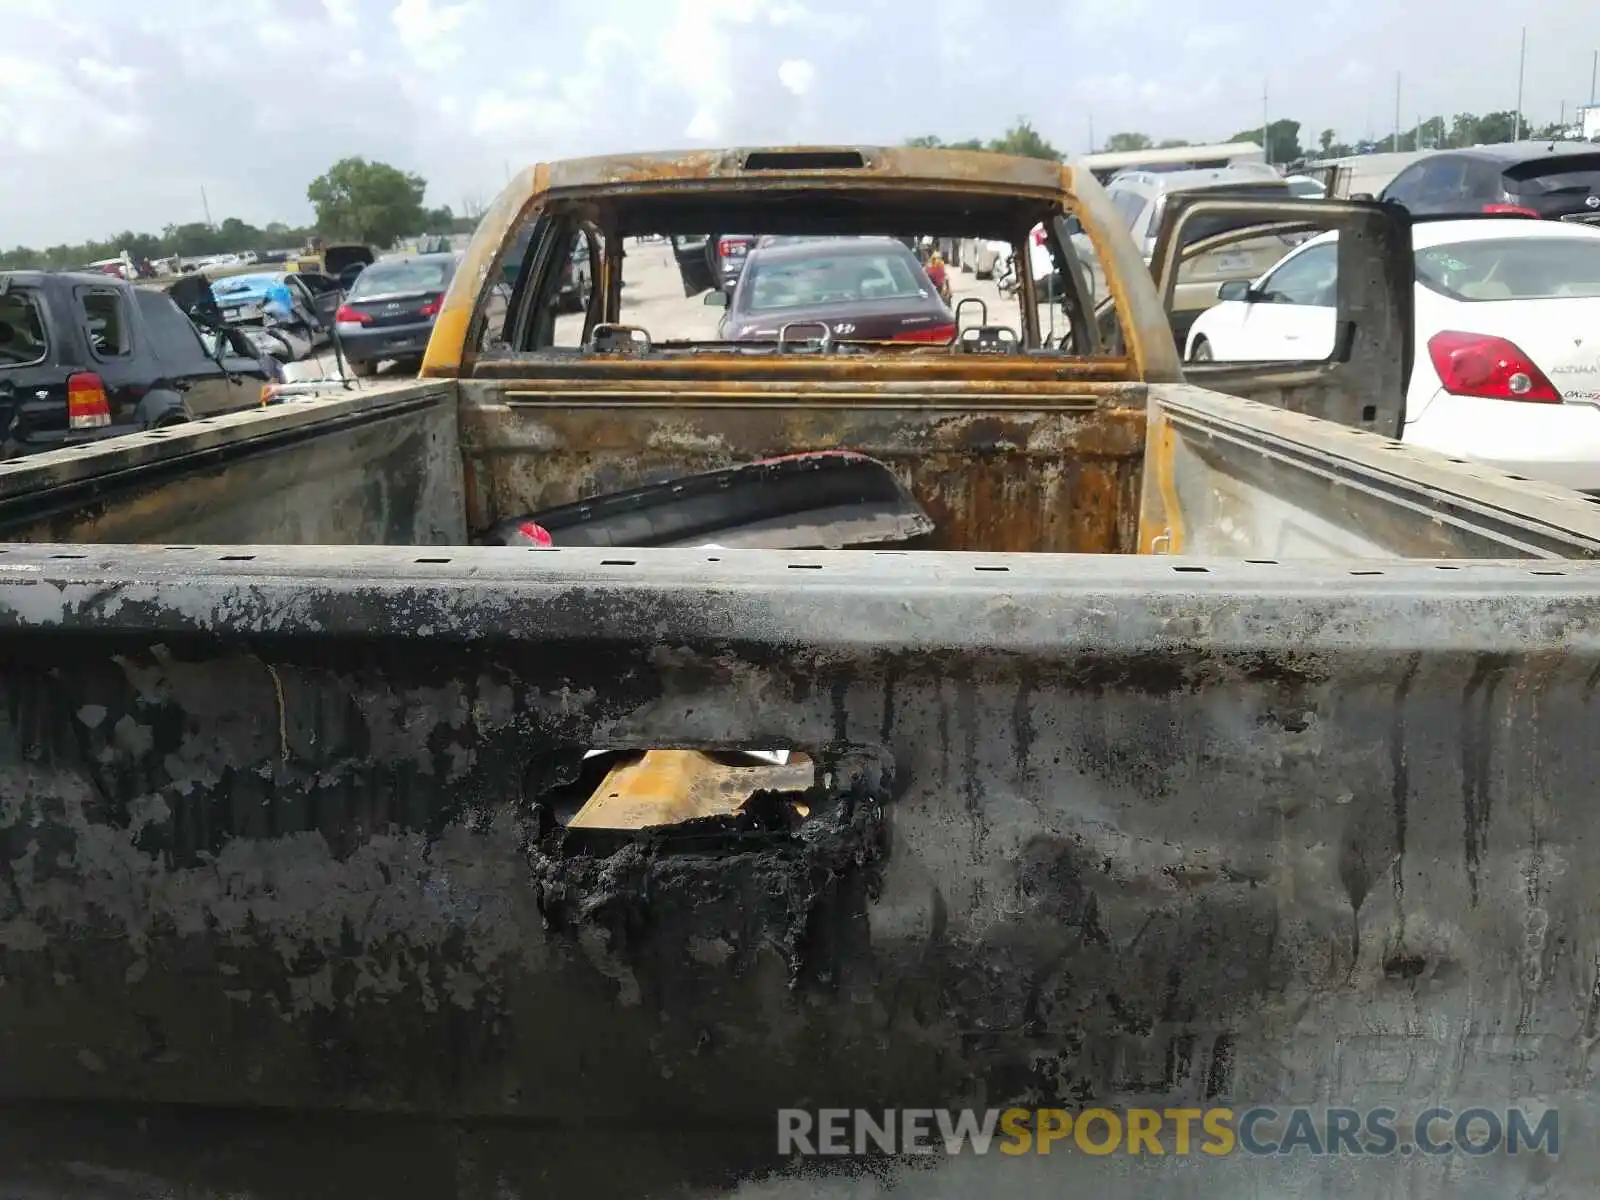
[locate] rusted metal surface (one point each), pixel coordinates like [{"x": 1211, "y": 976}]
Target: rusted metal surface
[
  {"x": 1011, "y": 476},
  {"x": 273, "y": 836},
  {"x": 381, "y": 467},
  {"x": 1226, "y": 476}
]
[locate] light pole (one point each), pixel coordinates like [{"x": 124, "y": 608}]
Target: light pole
[
  {"x": 1266, "y": 125},
  {"x": 1522, "y": 62},
  {"x": 1395, "y": 145}
]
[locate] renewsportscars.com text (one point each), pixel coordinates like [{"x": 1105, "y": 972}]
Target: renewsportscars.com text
[{"x": 1162, "y": 1131}]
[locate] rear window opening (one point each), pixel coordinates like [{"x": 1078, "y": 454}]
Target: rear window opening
[
  {"x": 790, "y": 272},
  {"x": 397, "y": 278},
  {"x": 1574, "y": 174}
]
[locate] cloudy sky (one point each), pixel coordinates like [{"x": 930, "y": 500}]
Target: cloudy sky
[{"x": 116, "y": 114}]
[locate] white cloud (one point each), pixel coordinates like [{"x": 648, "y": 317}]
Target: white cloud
[
  {"x": 117, "y": 114},
  {"x": 118, "y": 75},
  {"x": 428, "y": 31},
  {"x": 797, "y": 74}
]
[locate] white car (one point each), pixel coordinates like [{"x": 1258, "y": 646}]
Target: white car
[
  {"x": 1303, "y": 187},
  {"x": 1506, "y": 367}
]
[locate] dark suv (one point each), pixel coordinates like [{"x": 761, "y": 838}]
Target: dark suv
[
  {"x": 87, "y": 356},
  {"x": 1554, "y": 180}
]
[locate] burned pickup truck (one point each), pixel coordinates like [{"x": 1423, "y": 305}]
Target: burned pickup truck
[{"x": 1208, "y": 748}]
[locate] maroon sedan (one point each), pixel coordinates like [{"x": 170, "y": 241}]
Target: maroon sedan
[{"x": 868, "y": 289}]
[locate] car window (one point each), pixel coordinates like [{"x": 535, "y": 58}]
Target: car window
[
  {"x": 1577, "y": 175},
  {"x": 106, "y": 321},
  {"x": 1310, "y": 277},
  {"x": 23, "y": 337},
  {"x": 415, "y": 276},
  {"x": 1199, "y": 227},
  {"x": 1444, "y": 182},
  {"x": 832, "y": 278},
  {"x": 1403, "y": 187},
  {"x": 1128, "y": 205},
  {"x": 1513, "y": 268},
  {"x": 176, "y": 340}
]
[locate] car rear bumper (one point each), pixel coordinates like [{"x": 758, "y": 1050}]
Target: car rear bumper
[
  {"x": 1559, "y": 443},
  {"x": 391, "y": 341}
]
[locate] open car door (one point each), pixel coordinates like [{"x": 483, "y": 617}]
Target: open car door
[
  {"x": 693, "y": 255},
  {"x": 1362, "y": 382}
]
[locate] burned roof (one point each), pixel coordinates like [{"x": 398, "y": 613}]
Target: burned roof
[
  {"x": 807, "y": 190},
  {"x": 816, "y": 166}
]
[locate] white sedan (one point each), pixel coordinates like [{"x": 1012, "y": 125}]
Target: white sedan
[{"x": 1507, "y": 362}]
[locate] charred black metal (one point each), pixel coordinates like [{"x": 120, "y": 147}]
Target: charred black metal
[{"x": 720, "y": 891}]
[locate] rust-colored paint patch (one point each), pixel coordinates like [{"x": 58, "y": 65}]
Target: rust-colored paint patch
[{"x": 1161, "y": 513}]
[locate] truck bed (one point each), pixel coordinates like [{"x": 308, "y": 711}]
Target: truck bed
[
  {"x": 260, "y": 806},
  {"x": 1083, "y": 467}
]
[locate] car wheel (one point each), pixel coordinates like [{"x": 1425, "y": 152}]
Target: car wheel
[
  {"x": 1200, "y": 351},
  {"x": 362, "y": 368}
]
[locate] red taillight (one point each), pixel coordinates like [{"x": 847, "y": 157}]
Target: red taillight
[
  {"x": 432, "y": 307},
  {"x": 86, "y": 402},
  {"x": 1038, "y": 236},
  {"x": 1475, "y": 364},
  {"x": 1514, "y": 209},
  {"x": 928, "y": 333},
  {"x": 351, "y": 316},
  {"x": 727, "y": 246}
]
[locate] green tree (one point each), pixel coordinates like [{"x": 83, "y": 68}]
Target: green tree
[
  {"x": 1495, "y": 127},
  {"x": 369, "y": 201},
  {"x": 1171, "y": 144},
  {"x": 928, "y": 142},
  {"x": 1283, "y": 140},
  {"x": 1325, "y": 140},
  {"x": 1024, "y": 140},
  {"x": 1120, "y": 142}
]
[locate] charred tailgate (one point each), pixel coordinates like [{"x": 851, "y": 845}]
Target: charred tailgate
[{"x": 282, "y": 834}]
